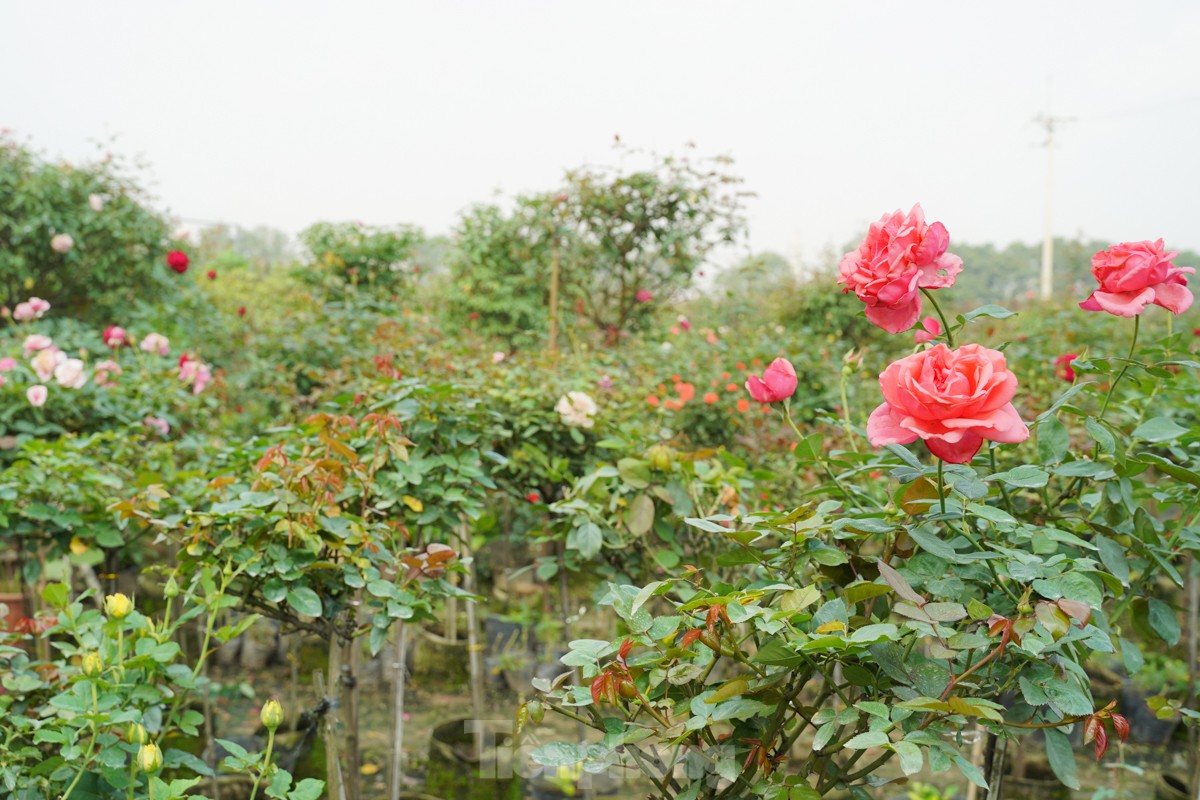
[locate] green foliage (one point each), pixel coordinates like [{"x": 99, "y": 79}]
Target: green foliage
[
  {"x": 116, "y": 256},
  {"x": 376, "y": 257}
]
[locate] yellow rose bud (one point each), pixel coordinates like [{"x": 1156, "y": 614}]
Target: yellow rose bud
[
  {"x": 149, "y": 758},
  {"x": 136, "y": 734},
  {"x": 271, "y": 715},
  {"x": 92, "y": 665},
  {"x": 118, "y": 606}
]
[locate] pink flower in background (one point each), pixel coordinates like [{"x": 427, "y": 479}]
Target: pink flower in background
[
  {"x": 62, "y": 243},
  {"x": 35, "y": 342},
  {"x": 106, "y": 370},
  {"x": 203, "y": 377},
  {"x": 953, "y": 399},
  {"x": 498, "y": 356},
  {"x": 930, "y": 330},
  {"x": 576, "y": 409},
  {"x": 683, "y": 322},
  {"x": 8, "y": 364},
  {"x": 899, "y": 256},
  {"x": 778, "y": 382},
  {"x": 33, "y": 308},
  {"x": 643, "y": 296},
  {"x": 605, "y": 383},
  {"x": 195, "y": 372},
  {"x": 45, "y": 362},
  {"x": 1132, "y": 274},
  {"x": 70, "y": 373},
  {"x": 156, "y": 343},
  {"x": 96, "y": 202},
  {"x": 1062, "y": 367},
  {"x": 115, "y": 336},
  {"x": 158, "y": 425},
  {"x": 37, "y": 395}
]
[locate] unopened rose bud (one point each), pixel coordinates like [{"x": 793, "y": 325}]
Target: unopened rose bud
[
  {"x": 271, "y": 715},
  {"x": 118, "y": 606},
  {"x": 171, "y": 589},
  {"x": 136, "y": 734},
  {"x": 661, "y": 457},
  {"x": 149, "y": 758},
  {"x": 92, "y": 665}
]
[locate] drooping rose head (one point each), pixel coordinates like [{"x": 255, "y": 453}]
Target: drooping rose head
[
  {"x": 953, "y": 399},
  {"x": 178, "y": 261},
  {"x": 900, "y": 255},
  {"x": 1133, "y": 274},
  {"x": 778, "y": 382},
  {"x": 62, "y": 243},
  {"x": 36, "y": 395},
  {"x": 115, "y": 336},
  {"x": 1062, "y": 367},
  {"x": 156, "y": 343}
]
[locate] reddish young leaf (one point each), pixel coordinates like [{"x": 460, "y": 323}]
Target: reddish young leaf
[
  {"x": 1121, "y": 726},
  {"x": 1101, "y": 742},
  {"x": 690, "y": 637},
  {"x": 598, "y": 687},
  {"x": 1090, "y": 727}
]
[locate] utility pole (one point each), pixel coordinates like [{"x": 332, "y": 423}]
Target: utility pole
[{"x": 1047, "y": 282}]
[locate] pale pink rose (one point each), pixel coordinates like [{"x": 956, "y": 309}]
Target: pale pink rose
[
  {"x": 45, "y": 362},
  {"x": 8, "y": 364},
  {"x": 899, "y": 256},
  {"x": 158, "y": 425},
  {"x": 96, "y": 202},
  {"x": 156, "y": 343},
  {"x": 577, "y": 409},
  {"x": 37, "y": 395},
  {"x": 33, "y": 308},
  {"x": 930, "y": 330},
  {"x": 106, "y": 370},
  {"x": 202, "y": 379},
  {"x": 62, "y": 243},
  {"x": 195, "y": 372},
  {"x": 778, "y": 382},
  {"x": 953, "y": 399},
  {"x": 1132, "y": 274},
  {"x": 70, "y": 373},
  {"x": 498, "y": 356},
  {"x": 35, "y": 342}
]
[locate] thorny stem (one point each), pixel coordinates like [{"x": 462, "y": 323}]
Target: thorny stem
[{"x": 945, "y": 325}]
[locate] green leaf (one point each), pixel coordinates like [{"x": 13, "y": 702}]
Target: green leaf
[
  {"x": 1159, "y": 429},
  {"x": 1053, "y": 440},
  {"x": 307, "y": 789},
  {"x": 911, "y": 759},
  {"x": 1025, "y": 476},
  {"x": 868, "y": 739},
  {"x": 640, "y": 518},
  {"x": 586, "y": 539},
  {"x": 1164, "y": 621},
  {"x": 1062, "y": 757},
  {"x": 933, "y": 545},
  {"x": 990, "y": 310},
  {"x": 1101, "y": 435},
  {"x": 559, "y": 754},
  {"x": 304, "y": 601},
  {"x": 1112, "y": 555},
  {"x": 56, "y": 595}
]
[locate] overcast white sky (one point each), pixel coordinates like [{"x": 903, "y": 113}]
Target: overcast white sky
[{"x": 286, "y": 113}]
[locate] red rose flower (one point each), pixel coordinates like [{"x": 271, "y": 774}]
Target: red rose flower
[
  {"x": 178, "y": 261},
  {"x": 212, "y": 274},
  {"x": 241, "y": 311},
  {"x": 533, "y": 497},
  {"x": 1062, "y": 367}
]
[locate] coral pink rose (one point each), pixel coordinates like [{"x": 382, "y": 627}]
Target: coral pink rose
[
  {"x": 643, "y": 296},
  {"x": 778, "y": 382},
  {"x": 1132, "y": 274},
  {"x": 1062, "y": 367},
  {"x": 930, "y": 330},
  {"x": 8, "y": 364},
  {"x": 899, "y": 256},
  {"x": 953, "y": 399},
  {"x": 33, "y": 308}
]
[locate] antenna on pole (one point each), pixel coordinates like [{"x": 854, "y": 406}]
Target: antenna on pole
[{"x": 1047, "y": 282}]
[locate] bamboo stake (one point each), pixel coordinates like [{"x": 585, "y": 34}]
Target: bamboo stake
[
  {"x": 349, "y": 687},
  {"x": 401, "y": 672},
  {"x": 473, "y": 648},
  {"x": 553, "y": 344}
]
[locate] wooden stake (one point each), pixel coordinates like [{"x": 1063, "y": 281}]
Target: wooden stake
[
  {"x": 400, "y": 672},
  {"x": 473, "y": 648}
]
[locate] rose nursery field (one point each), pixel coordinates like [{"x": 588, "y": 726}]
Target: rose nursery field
[{"x": 539, "y": 508}]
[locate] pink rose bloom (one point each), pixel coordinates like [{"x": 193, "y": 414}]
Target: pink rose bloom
[
  {"x": 203, "y": 377},
  {"x": 1062, "y": 367},
  {"x": 158, "y": 425},
  {"x": 683, "y": 322},
  {"x": 778, "y": 382},
  {"x": 953, "y": 399},
  {"x": 33, "y": 308},
  {"x": 37, "y": 395},
  {"x": 106, "y": 370},
  {"x": 931, "y": 329},
  {"x": 900, "y": 256},
  {"x": 45, "y": 362},
  {"x": 8, "y": 364},
  {"x": 643, "y": 296},
  {"x": 70, "y": 373},
  {"x": 1132, "y": 274},
  {"x": 156, "y": 343},
  {"x": 195, "y": 372},
  {"x": 498, "y": 356},
  {"x": 35, "y": 342},
  {"x": 115, "y": 336},
  {"x": 96, "y": 202},
  {"x": 62, "y": 243}
]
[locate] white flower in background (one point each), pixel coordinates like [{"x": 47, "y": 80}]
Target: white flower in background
[
  {"x": 70, "y": 373},
  {"x": 45, "y": 362},
  {"x": 156, "y": 343},
  {"x": 96, "y": 202},
  {"x": 576, "y": 409},
  {"x": 37, "y": 395},
  {"x": 62, "y": 243},
  {"x": 498, "y": 356},
  {"x": 666, "y": 347},
  {"x": 33, "y": 308},
  {"x": 35, "y": 342}
]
